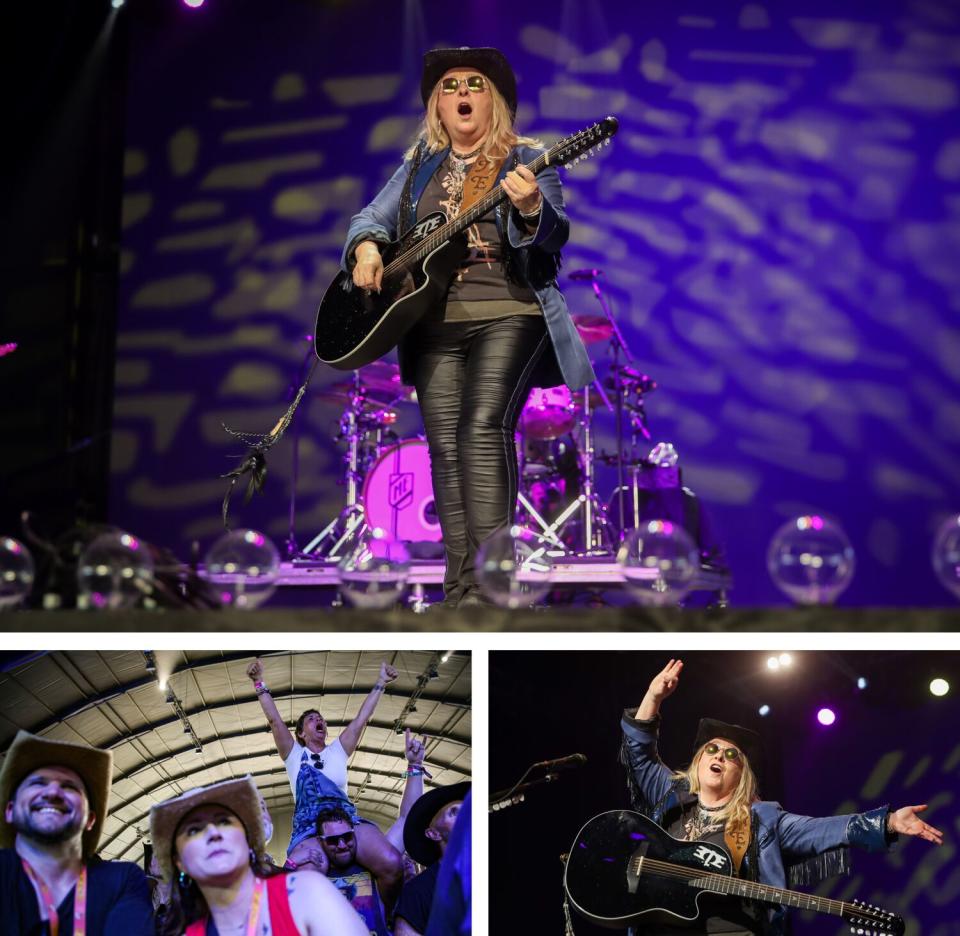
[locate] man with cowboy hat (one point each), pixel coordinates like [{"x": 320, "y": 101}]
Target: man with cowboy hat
[
  {"x": 426, "y": 836},
  {"x": 55, "y": 796}
]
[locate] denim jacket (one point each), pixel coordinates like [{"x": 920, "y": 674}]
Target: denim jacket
[
  {"x": 784, "y": 839},
  {"x": 380, "y": 221}
]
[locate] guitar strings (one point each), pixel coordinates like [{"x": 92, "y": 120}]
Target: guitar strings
[
  {"x": 665, "y": 869},
  {"x": 448, "y": 230}
]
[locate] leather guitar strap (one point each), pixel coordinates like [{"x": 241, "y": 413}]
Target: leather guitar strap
[
  {"x": 480, "y": 180},
  {"x": 738, "y": 841}
]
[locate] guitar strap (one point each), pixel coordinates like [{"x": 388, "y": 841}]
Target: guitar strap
[
  {"x": 737, "y": 841},
  {"x": 479, "y": 180}
]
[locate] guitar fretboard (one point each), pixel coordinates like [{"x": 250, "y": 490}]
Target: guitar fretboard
[{"x": 563, "y": 151}]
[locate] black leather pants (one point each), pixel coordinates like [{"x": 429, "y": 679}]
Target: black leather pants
[{"x": 472, "y": 381}]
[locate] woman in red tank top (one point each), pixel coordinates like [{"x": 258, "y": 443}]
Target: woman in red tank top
[{"x": 210, "y": 842}]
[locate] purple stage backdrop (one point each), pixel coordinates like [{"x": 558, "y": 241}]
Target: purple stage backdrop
[{"x": 778, "y": 221}]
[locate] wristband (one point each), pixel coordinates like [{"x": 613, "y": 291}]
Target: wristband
[
  {"x": 260, "y": 687},
  {"x": 414, "y": 771},
  {"x": 379, "y": 686}
]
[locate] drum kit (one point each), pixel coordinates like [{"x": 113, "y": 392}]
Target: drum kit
[{"x": 387, "y": 478}]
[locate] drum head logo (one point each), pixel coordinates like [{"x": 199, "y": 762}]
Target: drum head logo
[{"x": 401, "y": 490}]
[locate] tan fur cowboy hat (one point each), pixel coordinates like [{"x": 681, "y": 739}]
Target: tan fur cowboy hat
[
  {"x": 490, "y": 62},
  {"x": 240, "y": 796},
  {"x": 31, "y": 752}
]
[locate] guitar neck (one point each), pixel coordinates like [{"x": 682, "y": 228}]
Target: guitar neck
[{"x": 460, "y": 223}]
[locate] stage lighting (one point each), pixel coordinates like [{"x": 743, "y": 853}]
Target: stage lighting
[
  {"x": 116, "y": 4},
  {"x": 785, "y": 659},
  {"x": 773, "y": 663},
  {"x": 862, "y": 683},
  {"x": 446, "y": 656},
  {"x": 826, "y": 717},
  {"x": 764, "y": 711},
  {"x": 193, "y": 4},
  {"x": 939, "y": 687}
]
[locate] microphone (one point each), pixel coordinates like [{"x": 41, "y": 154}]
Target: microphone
[
  {"x": 563, "y": 763},
  {"x": 589, "y": 274}
]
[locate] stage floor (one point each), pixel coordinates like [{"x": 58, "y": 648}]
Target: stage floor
[{"x": 481, "y": 620}]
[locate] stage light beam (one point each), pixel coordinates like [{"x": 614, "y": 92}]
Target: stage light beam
[{"x": 939, "y": 687}]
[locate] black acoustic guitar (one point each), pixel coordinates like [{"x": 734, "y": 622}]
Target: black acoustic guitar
[
  {"x": 624, "y": 870},
  {"x": 355, "y": 327}
]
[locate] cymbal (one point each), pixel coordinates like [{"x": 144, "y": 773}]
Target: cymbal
[
  {"x": 381, "y": 375},
  {"x": 592, "y": 328}
]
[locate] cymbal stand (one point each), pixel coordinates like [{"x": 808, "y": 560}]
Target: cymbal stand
[
  {"x": 351, "y": 521},
  {"x": 594, "y": 515},
  {"x": 290, "y": 546},
  {"x": 619, "y": 345}
]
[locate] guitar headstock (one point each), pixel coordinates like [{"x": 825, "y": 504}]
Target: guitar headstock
[
  {"x": 572, "y": 149},
  {"x": 868, "y": 920}
]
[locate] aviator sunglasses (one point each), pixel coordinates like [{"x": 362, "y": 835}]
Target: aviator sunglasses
[
  {"x": 345, "y": 837},
  {"x": 474, "y": 83},
  {"x": 730, "y": 753}
]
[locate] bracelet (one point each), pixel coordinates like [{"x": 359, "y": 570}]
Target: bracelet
[
  {"x": 533, "y": 214},
  {"x": 379, "y": 686},
  {"x": 260, "y": 687},
  {"x": 414, "y": 771}
]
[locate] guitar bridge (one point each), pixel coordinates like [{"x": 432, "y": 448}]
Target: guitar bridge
[{"x": 634, "y": 868}]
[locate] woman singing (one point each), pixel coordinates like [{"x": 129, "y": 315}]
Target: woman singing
[
  {"x": 504, "y": 326},
  {"x": 317, "y": 768},
  {"x": 209, "y": 843}
]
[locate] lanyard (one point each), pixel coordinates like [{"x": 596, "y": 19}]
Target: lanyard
[
  {"x": 79, "y": 901},
  {"x": 255, "y": 906}
]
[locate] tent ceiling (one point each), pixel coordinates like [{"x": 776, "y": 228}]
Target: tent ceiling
[{"x": 109, "y": 699}]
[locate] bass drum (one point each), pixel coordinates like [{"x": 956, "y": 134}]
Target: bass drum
[{"x": 397, "y": 494}]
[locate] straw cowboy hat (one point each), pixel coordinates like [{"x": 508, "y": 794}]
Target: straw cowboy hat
[
  {"x": 30, "y": 752},
  {"x": 240, "y": 796}
]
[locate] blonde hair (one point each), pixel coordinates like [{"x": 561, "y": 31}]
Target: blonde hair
[
  {"x": 500, "y": 139},
  {"x": 736, "y": 811}
]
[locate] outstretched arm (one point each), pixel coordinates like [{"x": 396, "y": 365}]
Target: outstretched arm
[
  {"x": 414, "y": 751},
  {"x": 661, "y": 686},
  {"x": 905, "y": 821},
  {"x": 282, "y": 736},
  {"x": 350, "y": 736}
]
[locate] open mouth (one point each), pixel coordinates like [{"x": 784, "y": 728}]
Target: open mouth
[
  {"x": 47, "y": 809},
  {"x": 716, "y": 768},
  {"x": 464, "y": 109}
]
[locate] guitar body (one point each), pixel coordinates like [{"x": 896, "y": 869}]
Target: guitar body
[
  {"x": 355, "y": 328},
  {"x": 602, "y": 888},
  {"x": 623, "y": 869}
]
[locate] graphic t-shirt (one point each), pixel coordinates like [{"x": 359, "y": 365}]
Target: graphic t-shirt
[
  {"x": 357, "y": 885},
  {"x": 479, "y": 289},
  {"x": 331, "y": 762}
]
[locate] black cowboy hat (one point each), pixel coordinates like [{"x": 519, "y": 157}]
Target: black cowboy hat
[
  {"x": 422, "y": 850},
  {"x": 491, "y": 62},
  {"x": 747, "y": 740}
]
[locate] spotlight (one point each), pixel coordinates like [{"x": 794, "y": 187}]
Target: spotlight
[
  {"x": 939, "y": 687},
  {"x": 446, "y": 656},
  {"x": 193, "y": 4},
  {"x": 862, "y": 683},
  {"x": 785, "y": 660},
  {"x": 773, "y": 663},
  {"x": 764, "y": 711},
  {"x": 116, "y": 4},
  {"x": 162, "y": 685},
  {"x": 826, "y": 717}
]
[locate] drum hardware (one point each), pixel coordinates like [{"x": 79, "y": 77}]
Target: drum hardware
[
  {"x": 369, "y": 396},
  {"x": 619, "y": 347}
]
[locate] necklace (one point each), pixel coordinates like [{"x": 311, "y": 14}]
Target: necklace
[{"x": 459, "y": 160}]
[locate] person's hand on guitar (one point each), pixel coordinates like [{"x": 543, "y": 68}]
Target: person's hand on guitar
[
  {"x": 522, "y": 189},
  {"x": 368, "y": 270},
  {"x": 662, "y": 685}
]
